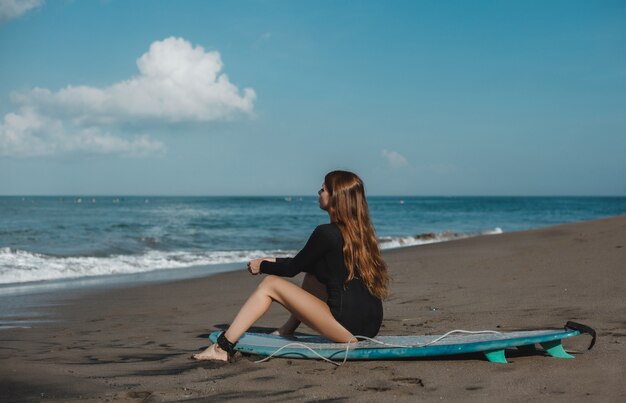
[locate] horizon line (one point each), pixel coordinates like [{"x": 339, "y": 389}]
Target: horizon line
[{"x": 93, "y": 195}]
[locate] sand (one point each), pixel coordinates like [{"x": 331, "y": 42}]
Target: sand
[{"x": 133, "y": 343}]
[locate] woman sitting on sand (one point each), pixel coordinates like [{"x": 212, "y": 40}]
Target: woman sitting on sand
[{"x": 346, "y": 277}]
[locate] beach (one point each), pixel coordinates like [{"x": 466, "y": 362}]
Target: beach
[{"x": 133, "y": 343}]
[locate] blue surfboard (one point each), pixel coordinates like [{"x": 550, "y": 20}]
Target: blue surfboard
[{"x": 491, "y": 344}]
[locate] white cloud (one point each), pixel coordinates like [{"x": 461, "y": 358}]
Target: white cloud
[
  {"x": 176, "y": 83},
  {"x": 10, "y": 9},
  {"x": 395, "y": 159},
  {"x": 29, "y": 134}
]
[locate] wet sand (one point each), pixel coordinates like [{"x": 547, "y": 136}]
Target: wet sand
[{"x": 133, "y": 343}]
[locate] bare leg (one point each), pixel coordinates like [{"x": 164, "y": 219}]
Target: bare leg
[
  {"x": 305, "y": 306},
  {"x": 313, "y": 286}
]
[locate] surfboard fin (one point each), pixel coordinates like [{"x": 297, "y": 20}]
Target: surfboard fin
[
  {"x": 496, "y": 356},
  {"x": 555, "y": 349}
]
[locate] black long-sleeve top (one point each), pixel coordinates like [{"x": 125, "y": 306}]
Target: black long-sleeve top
[{"x": 322, "y": 256}]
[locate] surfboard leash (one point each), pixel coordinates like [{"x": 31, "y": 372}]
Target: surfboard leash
[{"x": 582, "y": 329}]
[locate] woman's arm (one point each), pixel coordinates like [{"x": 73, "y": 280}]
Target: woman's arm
[{"x": 318, "y": 244}]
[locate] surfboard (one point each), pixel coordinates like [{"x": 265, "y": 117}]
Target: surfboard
[{"x": 491, "y": 344}]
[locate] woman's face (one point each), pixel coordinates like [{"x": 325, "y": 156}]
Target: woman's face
[{"x": 324, "y": 198}]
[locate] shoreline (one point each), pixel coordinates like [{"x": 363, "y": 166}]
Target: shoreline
[
  {"x": 132, "y": 343},
  {"x": 24, "y": 304}
]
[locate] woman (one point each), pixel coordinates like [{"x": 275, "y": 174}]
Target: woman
[{"x": 346, "y": 277}]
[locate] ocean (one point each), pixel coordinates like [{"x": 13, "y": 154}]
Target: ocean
[{"x": 57, "y": 239}]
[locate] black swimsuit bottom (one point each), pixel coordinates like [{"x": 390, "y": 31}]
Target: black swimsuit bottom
[{"x": 357, "y": 310}]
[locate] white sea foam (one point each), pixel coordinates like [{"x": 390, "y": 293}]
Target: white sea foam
[
  {"x": 431, "y": 237},
  {"x": 18, "y": 266}
]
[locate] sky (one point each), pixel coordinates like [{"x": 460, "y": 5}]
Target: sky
[{"x": 264, "y": 97}]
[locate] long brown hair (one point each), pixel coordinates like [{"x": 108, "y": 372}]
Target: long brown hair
[{"x": 348, "y": 209}]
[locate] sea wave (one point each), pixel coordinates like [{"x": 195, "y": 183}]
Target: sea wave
[
  {"x": 430, "y": 237},
  {"x": 19, "y": 266}
]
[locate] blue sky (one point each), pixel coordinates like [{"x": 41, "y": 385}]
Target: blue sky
[{"x": 264, "y": 97}]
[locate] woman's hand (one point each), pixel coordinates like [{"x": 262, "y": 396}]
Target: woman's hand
[{"x": 254, "y": 266}]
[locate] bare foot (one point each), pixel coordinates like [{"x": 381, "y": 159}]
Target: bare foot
[{"x": 213, "y": 353}]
